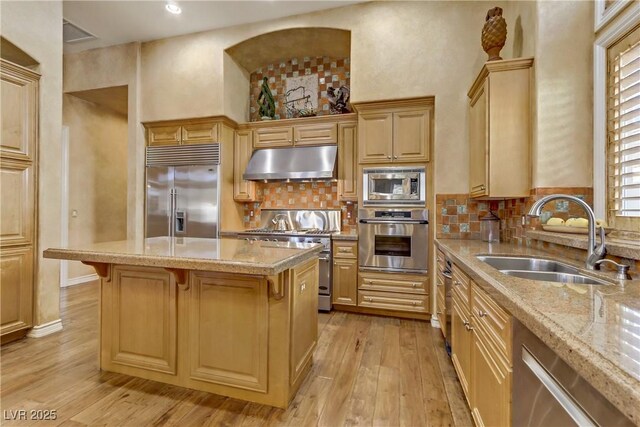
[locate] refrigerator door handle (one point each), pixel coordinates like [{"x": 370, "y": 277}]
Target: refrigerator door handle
[{"x": 172, "y": 212}]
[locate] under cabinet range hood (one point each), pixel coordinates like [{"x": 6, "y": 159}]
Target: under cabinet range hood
[{"x": 297, "y": 163}]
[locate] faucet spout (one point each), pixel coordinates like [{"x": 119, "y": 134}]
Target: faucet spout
[{"x": 595, "y": 252}]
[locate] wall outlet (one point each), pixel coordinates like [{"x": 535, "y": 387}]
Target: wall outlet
[{"x": 251, "y": 214}]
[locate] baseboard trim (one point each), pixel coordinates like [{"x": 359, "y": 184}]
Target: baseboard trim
[
  {"x": 435, "y": 322},
  {"x": 80, "y": 280},
  {"x": 45, "y": 329}
]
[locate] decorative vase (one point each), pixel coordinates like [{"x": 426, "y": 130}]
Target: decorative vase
[{"x": 494, "y": 33}]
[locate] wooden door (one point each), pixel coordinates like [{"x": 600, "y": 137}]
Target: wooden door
[
  {"x": 228, "y": 328},
  {"x": 16, "y": 288},
  {"x": 347, "y": 162},
  {"x": 200, "y": 133},
  {"x": 304, "y": 328},
  {"x": 17, "y": 210},
  {"x": 461, "y": 344},
  {"x": 411, "y": 136},
  {"x": 142, "y": 336},
  {"x": 243, "y": 191},
  {"x": 345, "y": 281},
  {"x": 490, "y": 384},
  {"x": 479, "y": 143},
  {"x": 315, "y": 134},
  {"x": 19, "y": 111},
  {"x": 375, "y": 137},
  {"x": 164, "y": 135},
  {"x": 269, "y": 137}
]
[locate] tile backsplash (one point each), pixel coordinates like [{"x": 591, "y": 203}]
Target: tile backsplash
[{"x": 299, "y": 195}]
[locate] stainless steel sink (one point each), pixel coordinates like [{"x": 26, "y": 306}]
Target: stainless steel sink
[{"x": 539, "y": 269}]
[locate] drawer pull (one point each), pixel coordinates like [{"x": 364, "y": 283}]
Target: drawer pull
[
  {"x": 468, "y": 326},
  {"x": 456, "y": 283},
  {"x": 415, "y": 285},
  {"x": 481, "y": 313}
]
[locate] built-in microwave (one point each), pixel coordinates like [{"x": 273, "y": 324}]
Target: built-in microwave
[{"x": 394, "y": 186}]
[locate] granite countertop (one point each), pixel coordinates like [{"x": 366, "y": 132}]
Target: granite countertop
[
  {"x": 229, "y": 255},
  {"x": 595, "y": 329},
  {"x": 344, "y": 236}
]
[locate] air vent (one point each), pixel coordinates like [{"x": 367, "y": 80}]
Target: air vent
[{"x": 71, "y": 33}]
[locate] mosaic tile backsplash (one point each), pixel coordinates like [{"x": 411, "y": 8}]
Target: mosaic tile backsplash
[
  {"x": 458, "y": 216},
  {"x": 331, "y": 72},
  {"x": 307, "y": 195}
]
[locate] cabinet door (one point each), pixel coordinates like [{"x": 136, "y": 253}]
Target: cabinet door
[
  {"x": 17, "y": 207},
  {"x": 479, "y": 143},
  {"x": 16, "y": 288},
  {"x": 491, "y": 385},
  {"x": 19, "y": 94},
  {"x": 200, "y": 133},
  {"x": 345, "y": 281},
  {"x": 140, "y": 323},
  {"x": 304, "y": 328},
  {"x": 461, "y": 345},
  {"x": 375, "y": 137},
  {"x": 164, "y": 135},
  {"x": 347, "y": 162},
  {"x": 243, "y": 191},
  {"x": 411, "y": 136},
  {"x": 228, "y": 330},
  {"x": 315, "y": 134},
  {"x": 273, "y": 137}
]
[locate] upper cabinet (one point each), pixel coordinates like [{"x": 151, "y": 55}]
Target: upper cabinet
[
  {"x": 191, "y": 131},
  {"x": 243, "y": 191},
  {"x": 347, "y": 157},
  {"x": 321, "y": 130},
  {"x": 500, "y": 130},
  {"x": 395, "y": 131}
]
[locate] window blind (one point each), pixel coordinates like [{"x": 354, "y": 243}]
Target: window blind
[{"x": 623, "y": 130}]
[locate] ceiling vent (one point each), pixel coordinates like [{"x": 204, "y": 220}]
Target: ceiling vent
[{"x": 73, "y": 34}]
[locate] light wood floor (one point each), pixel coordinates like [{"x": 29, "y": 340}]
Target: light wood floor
[{"x": 367, "y": 371}]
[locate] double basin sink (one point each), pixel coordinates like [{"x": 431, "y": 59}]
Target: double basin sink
[{"x": 539, "y": 269}]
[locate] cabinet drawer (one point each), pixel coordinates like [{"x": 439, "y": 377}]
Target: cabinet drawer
[
  {"x": 494, "y": 321},
  {"x": 394, "y": 301},
  {"x": 393, "y": 282},
  {"x": 324, "y": 133},
  {"x": 345, "y": 249},
  {"x": 164, "y": 135},
  {"x": 201, "y": 133},
  {"x": 273, "y": 137},
  {"x": 461, "y": 285}
]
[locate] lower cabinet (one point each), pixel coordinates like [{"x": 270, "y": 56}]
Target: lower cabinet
[
  {"x": 400, "y": 293},
  {"x": 481, "y": 337},
  {"x": 16, "y": 288},
  {"x": 345, "y": 273}
]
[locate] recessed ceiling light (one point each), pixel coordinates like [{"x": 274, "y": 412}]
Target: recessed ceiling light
[{"x": 173, "y": 8}]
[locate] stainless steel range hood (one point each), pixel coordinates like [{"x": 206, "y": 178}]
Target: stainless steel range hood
[{"x": 298, "y": 163}]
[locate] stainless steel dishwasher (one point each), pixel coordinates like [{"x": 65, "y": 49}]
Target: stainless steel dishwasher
[{"x": 547, "y": 392}]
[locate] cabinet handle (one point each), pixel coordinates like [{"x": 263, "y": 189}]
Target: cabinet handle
[
  {"x": 456, "y": 283},
  {"x": 438, "y": 312},
  {"x": 388, "y": 157},
  {"x": 414, "y": 303},
  {"x": 481, "y": 313},
  {"x": 468, "y": 326},
  {"x": 415, "y": 285},
  {"x": 482, "y": 187},
  {"x": 395, "y": 157},
  {"x": 289, "y": 141}
]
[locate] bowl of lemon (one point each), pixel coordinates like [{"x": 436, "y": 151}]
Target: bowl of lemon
[{"x": 572, "y": 225}]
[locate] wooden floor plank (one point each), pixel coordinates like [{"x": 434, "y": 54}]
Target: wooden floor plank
[{"x": 367, "y": 370}]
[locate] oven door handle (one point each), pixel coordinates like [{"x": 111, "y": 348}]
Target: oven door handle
[{"x": 393, "y": 221}]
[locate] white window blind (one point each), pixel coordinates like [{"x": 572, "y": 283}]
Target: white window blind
[{"x": 623, "y": 129}]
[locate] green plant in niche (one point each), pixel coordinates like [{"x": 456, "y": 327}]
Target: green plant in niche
[{"x": 266, "y": 101}]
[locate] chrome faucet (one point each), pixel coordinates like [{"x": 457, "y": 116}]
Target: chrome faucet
[{"x": 595, "y": 252}]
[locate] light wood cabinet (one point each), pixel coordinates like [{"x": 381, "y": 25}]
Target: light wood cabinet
[
  {"x": 394, "y": 301},
  {"x": 400, "y": 293},
  {"x": 345, "y": 273},
  {"x": 205, "y": 130},
  {"x": 347, "y": 162},
  {"x": 395, "y": 131},
  {"x": 18, "y": 180},
  {"x": 317, "y": 133},
  {"x": 441, "y": 297},
  {"x": 243, "y": 191},
  {"x": 500, "y": 130},
  {"x": 410, "y": 283},
  {"x": 304, "y": 327},
  {"x": 481, "y": 342}
]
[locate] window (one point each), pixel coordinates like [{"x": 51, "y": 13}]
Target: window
[{"x": 623, "y": 132}]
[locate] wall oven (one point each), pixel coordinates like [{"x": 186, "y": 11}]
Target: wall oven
[
  {"x": 394, "y": 186},
  {"x": 393, "y": 240}
]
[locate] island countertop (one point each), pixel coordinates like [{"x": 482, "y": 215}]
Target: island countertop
[
  {"x": 594, "y": 329},
  {"x": 227, "y": 255}
]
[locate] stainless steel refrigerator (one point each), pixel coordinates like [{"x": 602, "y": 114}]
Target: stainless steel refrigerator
[{"x": 182, "y": 191}]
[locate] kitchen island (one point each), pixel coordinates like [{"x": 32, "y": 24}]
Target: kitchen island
[{"x": 225, "y": 316}]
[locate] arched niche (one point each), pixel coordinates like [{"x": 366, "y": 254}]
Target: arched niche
[{"x": 291, "y": 43}]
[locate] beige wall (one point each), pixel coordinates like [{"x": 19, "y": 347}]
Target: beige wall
[
  {"x": 35, "y": 28},
  {"x": 108, "y": 67},
  {"x": 564, "y": 79},
  {"x": 97, "y": 183}
]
